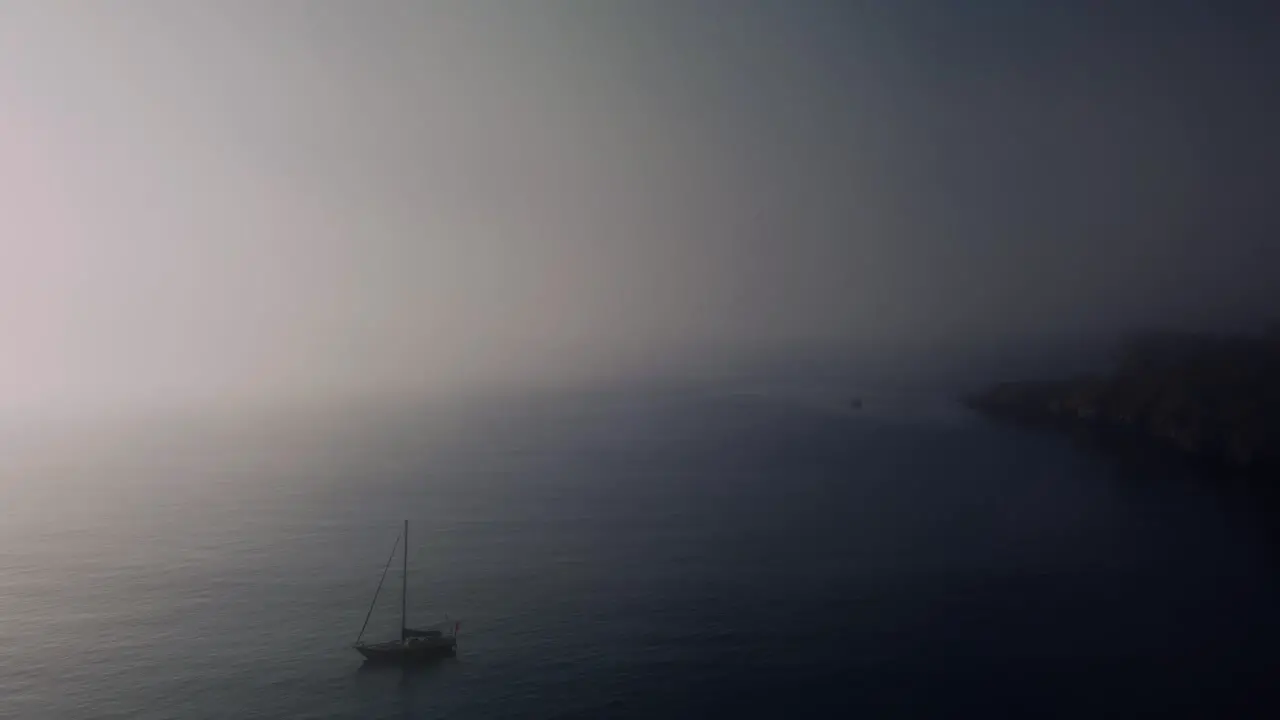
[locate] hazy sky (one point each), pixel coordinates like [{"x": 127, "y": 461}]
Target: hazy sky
[{"x": 227, "y": 199}]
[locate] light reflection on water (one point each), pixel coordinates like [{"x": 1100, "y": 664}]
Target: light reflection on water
[{"x": 671, "y": 554}]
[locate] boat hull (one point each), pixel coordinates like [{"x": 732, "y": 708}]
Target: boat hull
[{"x": 394, "y": 652}]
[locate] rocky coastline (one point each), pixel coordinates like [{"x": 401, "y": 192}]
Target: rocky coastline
[{"x": 1211, "y": 398}]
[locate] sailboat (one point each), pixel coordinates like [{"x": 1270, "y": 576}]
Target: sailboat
[{"x": 414, "y": 645}]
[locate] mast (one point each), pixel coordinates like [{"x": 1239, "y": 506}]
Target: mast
[{"x": 404, "y": 586}]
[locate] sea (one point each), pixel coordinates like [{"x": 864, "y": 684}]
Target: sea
[{"x": 733, "y": 551}]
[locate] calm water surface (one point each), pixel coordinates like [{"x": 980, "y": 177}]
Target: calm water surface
[{"x": 667, "y": 554}]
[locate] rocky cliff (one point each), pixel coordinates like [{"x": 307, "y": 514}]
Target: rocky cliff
[{"x": 1212, "y": 397}]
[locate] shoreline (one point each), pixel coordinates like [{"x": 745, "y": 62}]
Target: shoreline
[{"x": 1213, "y": 400}]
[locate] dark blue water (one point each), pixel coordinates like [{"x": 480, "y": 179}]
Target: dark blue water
[{"x": 665, "y": 554}]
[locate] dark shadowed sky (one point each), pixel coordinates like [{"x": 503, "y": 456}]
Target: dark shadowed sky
[{"x": 221, "y": 200}]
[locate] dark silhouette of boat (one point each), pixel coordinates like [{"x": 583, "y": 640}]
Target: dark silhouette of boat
[{"x": 414, "y": 645}]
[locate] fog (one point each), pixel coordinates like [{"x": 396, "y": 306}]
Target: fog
[{"x": 208, "y": 202}]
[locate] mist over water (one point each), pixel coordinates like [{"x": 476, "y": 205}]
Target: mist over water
[
  {"x": 585, "y": 290},
  {"x": 218, "y": 204}
]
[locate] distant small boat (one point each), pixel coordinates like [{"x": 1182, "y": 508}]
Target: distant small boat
[{"x": 414, "y": 645}]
